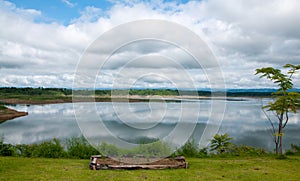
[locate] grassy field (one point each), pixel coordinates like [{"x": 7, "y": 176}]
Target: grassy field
[{"x": 266, "y": 168}]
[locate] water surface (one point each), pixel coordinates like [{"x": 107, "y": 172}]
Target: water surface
[{"x": 132, "y": 122}]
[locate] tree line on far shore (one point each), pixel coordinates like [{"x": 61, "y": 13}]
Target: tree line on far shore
[{"x": 19, "y": 92}]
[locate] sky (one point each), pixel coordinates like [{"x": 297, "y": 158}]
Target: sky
[{"x": 43, "y": 42}]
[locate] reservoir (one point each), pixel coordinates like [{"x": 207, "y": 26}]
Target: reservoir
[{"x": 175, "y": 121}]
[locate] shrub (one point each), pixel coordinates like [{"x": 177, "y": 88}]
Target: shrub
[
  {"x": 294, "y": 150},
  {"x": 80, "y": 148},
  {"x": 7, "y": 149},
  {"x": 244, "y": 150},
  {"x": 109, "y": 149},
  {"x": 156, "y": 149},
  {"x": 203, "y": 152},
  {"x": 24, "y": 150},
  {"x": 49, "y": 149},
  {"x": 220, "y": 143},
  {"x": 189, "y": 149}
]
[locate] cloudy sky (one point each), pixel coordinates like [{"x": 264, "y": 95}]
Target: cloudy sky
[{"x": 42, "y": 42}]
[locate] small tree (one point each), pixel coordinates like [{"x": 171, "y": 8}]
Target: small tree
[
  {"x": 285, "y": 100},
  {"x": 220, "y": 143}
]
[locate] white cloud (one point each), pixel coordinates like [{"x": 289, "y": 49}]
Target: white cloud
[
  {"x": 69, "y": 3},
  {"x": 245, "y": 35},
  {"x": 90, "y": 14},
  {"x": 10, "y": 9}
]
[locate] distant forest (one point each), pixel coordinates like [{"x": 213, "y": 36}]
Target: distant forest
[{"x": 11, "y": 92}]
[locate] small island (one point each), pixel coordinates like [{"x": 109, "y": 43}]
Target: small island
[{"x": 8, "y": 113}]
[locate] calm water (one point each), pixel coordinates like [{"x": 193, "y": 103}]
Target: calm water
[{"x": 128, "y": 123}]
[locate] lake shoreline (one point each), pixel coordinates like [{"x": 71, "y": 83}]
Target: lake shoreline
[{"x": 133, "y": 98}]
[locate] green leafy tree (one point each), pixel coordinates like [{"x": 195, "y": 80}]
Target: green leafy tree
[
  {"x": 285, "y": 102},
  {"x": 220, "y": 143}
]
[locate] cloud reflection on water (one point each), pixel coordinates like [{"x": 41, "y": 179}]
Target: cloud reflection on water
[{"x": 243, "y": 120}]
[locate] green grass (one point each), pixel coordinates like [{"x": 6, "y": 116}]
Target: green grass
[{"x": 252, "y": 168}]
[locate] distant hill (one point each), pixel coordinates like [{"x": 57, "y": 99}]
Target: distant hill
[{"x": 251, "y": 90}]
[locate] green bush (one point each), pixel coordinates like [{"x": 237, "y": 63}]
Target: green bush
[
  {"x": 49, "y": 149},
  {"x": 156, "y": 149},
  {"x": 221, "y": 148},
  {"x": 203, "y": 152},
  {"x": 75, "y": 148},
  {"x": 46, "y": 149},
  {"x": 79, "y": 148},
  {"x": 244, "y": 150},
  {"x": 220, "y": 143},
  {"x": 294, "y": 150},
  {"x": 190, "y": 149},
  {"x": 24, "y": 150},
  {"x": 7, "y": 149},
  {"x": 109, "y": 149}
]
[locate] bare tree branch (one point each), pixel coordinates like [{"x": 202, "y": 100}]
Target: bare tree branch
[
  {"x": 272, "y": 125},
  {"x": 286, "y": 120}
]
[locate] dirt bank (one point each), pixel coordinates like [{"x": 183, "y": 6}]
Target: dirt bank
[{"x": 7, "y": 114}]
